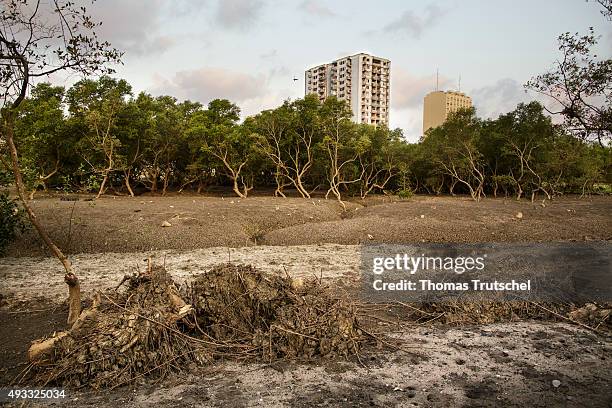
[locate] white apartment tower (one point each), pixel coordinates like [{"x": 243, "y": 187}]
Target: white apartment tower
[{"x": 362, "y": 80}]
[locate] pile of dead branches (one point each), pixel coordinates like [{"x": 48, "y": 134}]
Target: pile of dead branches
[
  {"x": 278, "y": 316},
  {"x": 152, "y": 327},
  {"x": 458, "y": 312},
  {"x": 123, "y": 335}
]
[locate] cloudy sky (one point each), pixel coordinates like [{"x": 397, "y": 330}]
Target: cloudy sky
[{"x": 249, "y": 51}]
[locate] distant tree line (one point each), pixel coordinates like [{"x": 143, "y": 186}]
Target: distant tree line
[{"x": 97, "y": 137}]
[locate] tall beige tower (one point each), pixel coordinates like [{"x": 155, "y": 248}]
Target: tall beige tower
[
  {"x": 438, "y": 104},
  {"x": 361, "y": 79}
]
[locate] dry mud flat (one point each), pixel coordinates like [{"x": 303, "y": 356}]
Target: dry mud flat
[
  {"x": 509, "y": 364},
  {"x": 501, "y": 365},
  {"x": 124, "y": 224},
  {"x": 104, "y": 270}
]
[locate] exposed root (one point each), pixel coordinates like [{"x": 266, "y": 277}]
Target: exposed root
[{"x": 152, "y": 327}]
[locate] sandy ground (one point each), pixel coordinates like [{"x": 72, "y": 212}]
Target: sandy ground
[
  {"x": 500, "y": 365},
  {"x": 510, "y": 364},
  {"x": 103, "y": 270},
  {"x": 124, "y": 224}
]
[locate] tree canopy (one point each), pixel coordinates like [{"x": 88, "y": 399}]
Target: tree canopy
[{"x": 97, "y": 136}]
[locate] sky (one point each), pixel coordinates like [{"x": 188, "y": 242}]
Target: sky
[{"x": 249, "y": 51}]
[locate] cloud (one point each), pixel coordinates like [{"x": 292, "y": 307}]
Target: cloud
[
  {"x": 279, "y": 72},
  {"x": 269, "y": 55},
  {"x": 269, "y": 100},
  {"x": 315, "y": 8},
  {"x": 206, "y": 84},
  {"x": 410, "y": 120},
  {"x": 238, "y": 14},
  {"x": 408, "y": 91},
  {"x": 413, "y": 24},
  {"x": 132, "y": 28},
  {"x": 501, "y": 97}
]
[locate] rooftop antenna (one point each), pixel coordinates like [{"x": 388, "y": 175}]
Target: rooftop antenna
[
  {"x": 437, "y": 79},
  {"x": 459, "y": 89}
]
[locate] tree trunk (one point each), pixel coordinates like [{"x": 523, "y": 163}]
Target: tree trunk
[
  {"x": 166, "y": 179},
  {"x": 154, "y": 182},
  {"x": 104, "y": 180},
  {"x": 165, "y": 187},
  {"x": 237, "y": 188},
  {"x": 127, "y": 182},
  {"x": 451, "y": 189},
  {"x": 74, "y": 298},
  {"x": 300, "y": 187},
  {"x": 279, "y": 191}
]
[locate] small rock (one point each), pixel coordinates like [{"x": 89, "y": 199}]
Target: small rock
[
  {"x": 460, "y": 361},
  {"x": 422, "y": 216},
  {"x": 370, "y": 236},
  {"x": 519, "y": 215},
  {"x": 232, "y": 202},
  {"x": 166, "y": 224},
  {"x": 556, "y": 383}
]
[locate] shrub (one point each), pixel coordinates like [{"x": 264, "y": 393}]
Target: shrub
[
  {"x": 11, "y": 221},
  {"x": 405, "y": 193}
]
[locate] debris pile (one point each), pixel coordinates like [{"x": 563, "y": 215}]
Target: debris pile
[
  {"x": 233, "y": 311},
  {"x": 593, "y": 314},
  {"x": 123, "y": 335},
  {"x": 278, "y": 316}
]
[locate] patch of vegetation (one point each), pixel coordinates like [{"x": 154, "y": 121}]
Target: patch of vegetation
[
  {"x": 255, "y": 233},
  {"x": 602, "y": 188},
  {"x": 405, "y": 193},
  {"x": 12, "y": 221}
]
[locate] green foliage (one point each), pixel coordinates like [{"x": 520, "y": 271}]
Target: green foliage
[
  {"x": 581, "y": 83},
  {"x": 96, "y": 132},
  {"x": 12, "y": 220},
  {"x": 41, "y": 136},
  {"x": 405, "y": 194}
]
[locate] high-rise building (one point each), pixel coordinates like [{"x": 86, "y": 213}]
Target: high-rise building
[
  {"x": 438, "y": 104},
  {"x": 362, "y": 80}
]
